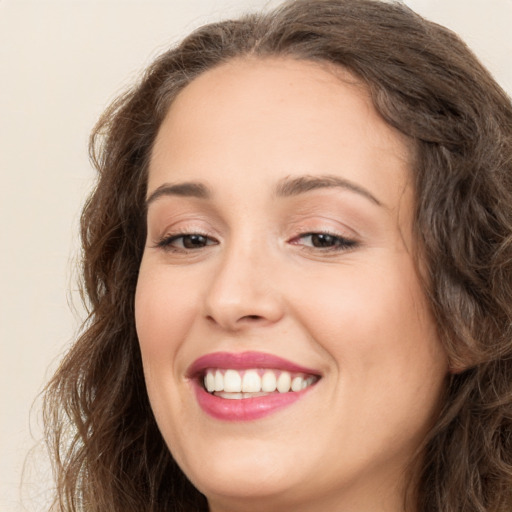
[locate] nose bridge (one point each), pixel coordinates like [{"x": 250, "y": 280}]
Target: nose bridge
[{"x": 243, "y": 289}]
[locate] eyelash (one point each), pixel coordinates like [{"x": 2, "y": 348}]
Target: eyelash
[
  {"x": 166, "y": 242},
  {"x": 339, "y": 243}
]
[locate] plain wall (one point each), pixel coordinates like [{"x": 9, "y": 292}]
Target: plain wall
[{"x": 61, "y": 62}]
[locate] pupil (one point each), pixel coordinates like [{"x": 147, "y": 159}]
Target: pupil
[
  {"x": 194, "y": 241},
  {"x": 323, "y": 240}
]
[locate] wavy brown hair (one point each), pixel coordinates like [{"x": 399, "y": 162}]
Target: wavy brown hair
[{"x": 108, "y": 452}]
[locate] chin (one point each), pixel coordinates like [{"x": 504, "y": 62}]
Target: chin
[
  {"x": 252, "y": 493},
  {"x": 260, "y": 476}
]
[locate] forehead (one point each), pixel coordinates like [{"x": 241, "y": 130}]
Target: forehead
[{"x": 264, "y": 119}]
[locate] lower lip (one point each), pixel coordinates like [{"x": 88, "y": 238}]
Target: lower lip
[{"x": 245, "y": 409}]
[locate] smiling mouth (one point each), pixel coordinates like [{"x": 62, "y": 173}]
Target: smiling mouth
[
  {"x": 247, "y": 386},
  {"x": 254, "y": 382}
]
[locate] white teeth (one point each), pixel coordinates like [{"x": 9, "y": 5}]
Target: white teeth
[
  {"x": 283, "y": 382},
  {"x": 251, "y": 382},
  {"x": 209, "y": 382},
  {"x": 238, "y": 396},
  {"x": 297, "y": 383},
  {"x": 269, "y": 382},
  {"x": 231, "y": 396},
  {"x": 219, "y": 381},
  {"x": 234, "y": 384},
  {"x": 232, "y": 381}
]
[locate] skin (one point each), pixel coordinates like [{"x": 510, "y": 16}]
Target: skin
[{"x": 355, "y": 312}]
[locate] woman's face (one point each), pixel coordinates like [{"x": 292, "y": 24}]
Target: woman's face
[{"x": 280, "y": 254}]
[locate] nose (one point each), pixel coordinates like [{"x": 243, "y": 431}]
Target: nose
[{"x": 244, "y": 292}]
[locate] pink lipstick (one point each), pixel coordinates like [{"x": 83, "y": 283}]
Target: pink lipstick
[{"x": 249, "y": 385}]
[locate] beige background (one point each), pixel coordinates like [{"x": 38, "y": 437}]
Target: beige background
[{"x": 60, "y": 64}]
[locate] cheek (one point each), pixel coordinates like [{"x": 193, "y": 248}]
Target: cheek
[
  {"x": 376, "y": 326},
  {"x": 164, "y": 311},
  {"x": 380, "y": 302}
]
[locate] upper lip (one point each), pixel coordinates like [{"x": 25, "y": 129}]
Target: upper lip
[{"x": 245, "y": 361}]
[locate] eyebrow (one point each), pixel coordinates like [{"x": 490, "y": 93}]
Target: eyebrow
[
  {"x": 294, "y": 186},
  {"x": 287, "y": 187},
  {"x": 187, "y": 189}
]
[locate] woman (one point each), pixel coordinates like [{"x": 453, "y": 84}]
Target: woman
[{"x": 298, "y": 264}]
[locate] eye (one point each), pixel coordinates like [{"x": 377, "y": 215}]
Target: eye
[
  {"x": 186, "y": 242},
  {"x": 324, "y": 241}
]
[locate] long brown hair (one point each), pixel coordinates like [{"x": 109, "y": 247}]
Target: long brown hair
[{"x": 108, "y": 452}]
